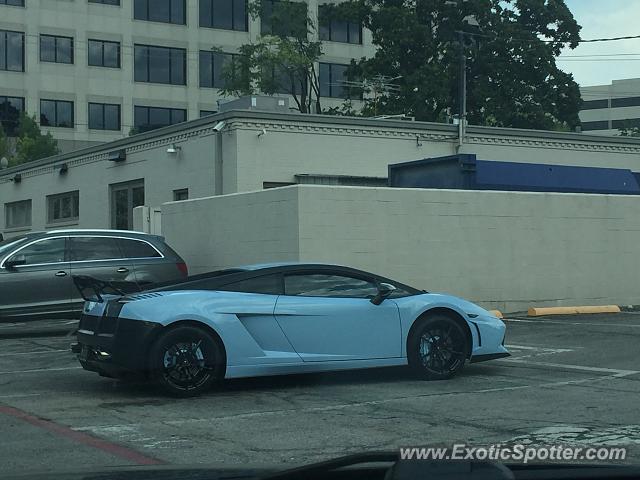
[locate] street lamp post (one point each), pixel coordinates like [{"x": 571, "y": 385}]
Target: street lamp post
[
  {"x": 462, "y": 91},
  {"x": 469, "y": 20}
]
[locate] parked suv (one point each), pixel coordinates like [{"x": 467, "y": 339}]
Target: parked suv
[{"x": 36, "y": 269}]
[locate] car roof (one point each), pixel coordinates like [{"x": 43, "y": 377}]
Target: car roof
[
  {"x": 263, "y": 266},
  {"x": 236, "y": 274},
  {"x": 90, "y": 231}
]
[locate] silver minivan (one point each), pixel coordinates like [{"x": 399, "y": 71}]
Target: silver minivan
[{"x": 36, "y": 269}]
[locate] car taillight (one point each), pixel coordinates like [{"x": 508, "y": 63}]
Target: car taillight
[{"x": 183, "y": 268}]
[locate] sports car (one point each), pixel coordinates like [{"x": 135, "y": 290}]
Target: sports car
[{"x": 274, "y": 319}]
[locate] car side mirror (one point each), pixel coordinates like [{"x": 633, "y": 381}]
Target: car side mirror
[
  {"x": 12, "y": 264},
  {"x": 384, "y": 290}
]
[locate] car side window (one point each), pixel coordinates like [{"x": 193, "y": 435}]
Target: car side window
[
  {"x": 266, "y": 284},
  {"x": 94, "y": 248},
  {"x": 137, "y": 249},
  {"x": 326, "y": 285},
  {"x": 45, "y": 251}
]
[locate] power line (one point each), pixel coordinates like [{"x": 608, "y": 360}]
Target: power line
[
  {"x": 600, "y": 55},
  {"x": 600, "y": 60},
  {"x": 612, "y": 39},
  {"x": 520, "y": 39}
]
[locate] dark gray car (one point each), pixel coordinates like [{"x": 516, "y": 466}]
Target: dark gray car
[{"x": 36, "y": 269}]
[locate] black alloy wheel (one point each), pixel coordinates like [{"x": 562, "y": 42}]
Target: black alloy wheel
[
  {"x": 437, "y": 348},
  {"x": 187, "y": 360}
]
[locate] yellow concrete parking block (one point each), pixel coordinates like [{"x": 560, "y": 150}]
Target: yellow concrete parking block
[
  {"x": 496, "y": 313},
  {"x": 539, "y": 311}
]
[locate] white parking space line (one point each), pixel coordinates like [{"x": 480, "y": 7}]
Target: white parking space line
[
  {"x": 529, "y": 351},
  {"x": 543, "y": 349},
  {"x": 612, "y": 372},
  {"x": 40, "y": 370},
  {"x": 39, "y": 352}
]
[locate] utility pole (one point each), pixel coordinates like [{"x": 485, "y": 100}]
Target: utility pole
[{"x": 462, "y": 91}]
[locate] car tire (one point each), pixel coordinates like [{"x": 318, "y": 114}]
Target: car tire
[
  {"x": 437, "y": 347},
  {"x": 187, "y": 360}
]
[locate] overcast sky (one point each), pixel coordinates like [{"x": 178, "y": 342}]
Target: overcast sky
[{"x": 604, "y": 18}]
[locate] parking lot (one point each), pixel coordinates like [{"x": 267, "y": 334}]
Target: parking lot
[{"x": 571, "y": 380}]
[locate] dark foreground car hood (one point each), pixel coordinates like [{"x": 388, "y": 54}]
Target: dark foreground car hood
[
  {"x": 162, "y": 472},
  {"x": 369, "y": 466}
]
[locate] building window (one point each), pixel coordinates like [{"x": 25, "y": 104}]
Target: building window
[
  {"x": 626, "y": 123},
  {"x": 181, "y": 194},
  {"x": 17, "y": 214},
  {"x": 287, "y": 81},
  {"x": 64, "y": 207},
  {"x": 224, "y": 14},
  {"x": 625, "y": 102},
  {"x": 150, "y": 118},
  {"x": 106, "y": 2},
  {"x": 597, "y": 125},
  {"x": 336, "y": 30},
  {"x": 124, "y": 198},
  {"x": 15, "y": 3},
  {"x": 56, "y": 113},
  {"x": 11, "y": 51},
  {"x": 594, "y": 104},
  {"x": 104, "y": 54},
  {"x": 283, "y": 19},
  {"x": 160, "y": 65},
  {"x": 10, "y": 110},
  {"x": 104, "y": 116},
  {"x": 166, "y": 11},
  {"x": 331, "y": 77},
  {"x": 56, "y": 49},
  {"x": 212, "y": 65}
]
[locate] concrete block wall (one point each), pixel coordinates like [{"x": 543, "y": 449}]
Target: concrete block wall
[
  {"x": 230, "y": 230},
  {"x": 506, "y": 250}
]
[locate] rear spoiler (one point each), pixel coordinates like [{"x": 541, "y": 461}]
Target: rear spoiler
[{"x": 87, "y": 286}]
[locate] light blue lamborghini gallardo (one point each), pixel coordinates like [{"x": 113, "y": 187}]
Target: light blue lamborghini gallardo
[{"x": 279, "y": 319}]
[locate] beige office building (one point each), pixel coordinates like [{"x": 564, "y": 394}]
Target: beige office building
[
  {"x": 93, "y": 70},
  {"x": 608, "y": 108}
]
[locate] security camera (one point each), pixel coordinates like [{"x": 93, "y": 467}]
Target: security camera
[
  {"x": 262, "y": 132},
  {"x": 219, "y": 126}
]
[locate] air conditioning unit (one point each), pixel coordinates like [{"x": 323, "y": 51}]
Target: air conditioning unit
[{"x": 262, "y": 103}]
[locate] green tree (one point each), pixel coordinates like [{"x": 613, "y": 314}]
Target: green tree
[
  {"x": 629, "y": 130},
  {"x": 31, "y": 143},
  {"x": 512, "y": 76},
  {"x": 4, "y": 144},
  {"x": 282, "y": 60}
]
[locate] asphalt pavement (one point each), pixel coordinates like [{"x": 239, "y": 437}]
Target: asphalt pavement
[{"x": 573, "y": 380}]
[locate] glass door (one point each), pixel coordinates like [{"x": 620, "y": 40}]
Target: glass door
[{"x": 124, "y": 198}]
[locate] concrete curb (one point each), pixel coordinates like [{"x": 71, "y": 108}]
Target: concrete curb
[{"x": 539, "y": 311}]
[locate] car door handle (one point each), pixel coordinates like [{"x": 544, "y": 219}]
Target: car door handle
[
  {"x": 122, "y": 270},
  {"x": 61, "y": 273}
]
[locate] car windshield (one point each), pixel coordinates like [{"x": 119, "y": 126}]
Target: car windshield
[
  {"x": 9, "y": 243},
  {"x": 248, "y": 236}
]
